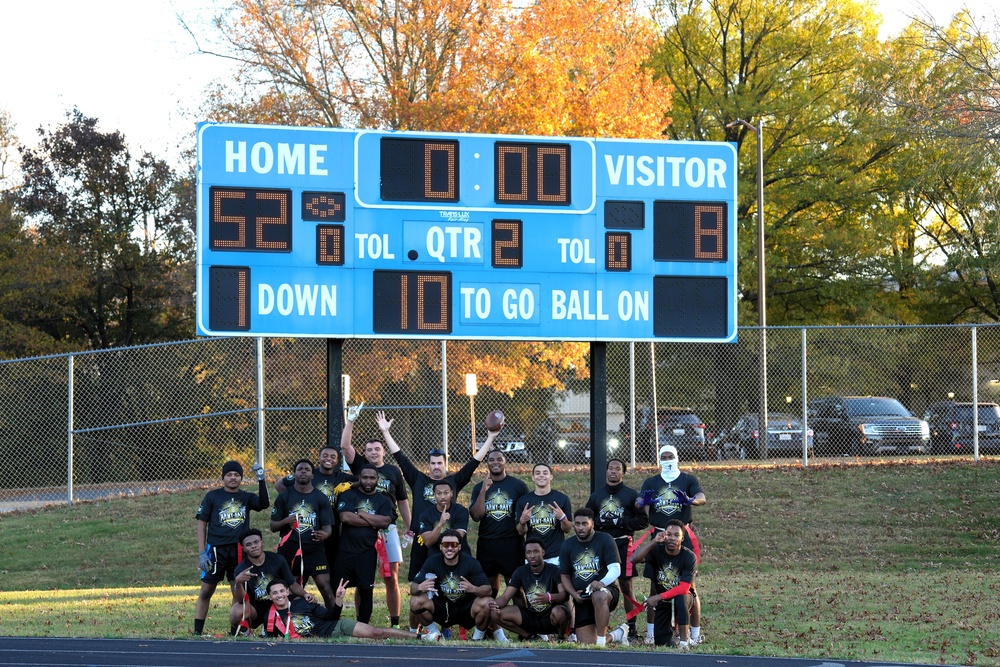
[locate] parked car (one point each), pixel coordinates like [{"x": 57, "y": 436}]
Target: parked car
[
  {"x": 952, "y": 427},
  {"x": 511, "y": 442},
  {"x": 866, "y": 426},
  {"x": 566, "y": 439},
  {"x": 676, "y": 426},
  {"x": 784, "y": 437}
]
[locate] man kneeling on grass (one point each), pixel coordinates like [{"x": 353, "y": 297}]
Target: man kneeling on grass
[{"x": 295, "y": 617}]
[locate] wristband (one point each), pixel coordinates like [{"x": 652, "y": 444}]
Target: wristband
[
  {"x": 561, "y": 518},
  {"x": 550, "y": 597}
]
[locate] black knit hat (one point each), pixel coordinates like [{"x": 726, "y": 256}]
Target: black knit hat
[{"x": 232, "y": 466}]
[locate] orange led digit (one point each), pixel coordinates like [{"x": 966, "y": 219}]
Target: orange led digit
[
  {"x": 218, "y": 218},
  {"x": 330, "y": 245},
  {"x": 618, "y": 251},
  {"x": 506, "y": 241},
  {"x": 532, "y": 173},
  {"x": 708, "y": 222},
  {"x": 250, "y": 219}
]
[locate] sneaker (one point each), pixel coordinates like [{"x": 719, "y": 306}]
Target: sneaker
[
  {"x": 542, "y": 638},
  {"x": 446, "y": 633},
  {"x": 623, "y": 630},
  {"x": 571, "y": 638},
  {"x": 431, "y": 637},
  {"x": 694, "y": 641},
  {"x": 683, "y": 645},
  {"x": 498, "y": 635},
  {"x": 648, "y": 640}
]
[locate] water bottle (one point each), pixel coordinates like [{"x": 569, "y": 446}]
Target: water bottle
[
  {"x": 430, "y": 594},
  {"x": 407, "y": 539}
]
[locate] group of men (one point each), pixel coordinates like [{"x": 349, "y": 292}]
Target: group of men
[{"x": 555, "y": 585}]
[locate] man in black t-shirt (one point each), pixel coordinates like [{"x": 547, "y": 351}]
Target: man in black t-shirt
[
  {"x": 304, "y": 518},
  {"x": 673, "y": 493},
  {"x": 671, "y": 568},
  {"x": 589, "y": 567},
  {"x": 500, "y": 548},
  {"x": 541, "y": 599},
  {"x": 543, "y": 513},
  {"x": 445, "y": 515},
  {"x": 222, "y": 517},
  {"x": 422, "y": 484},
  {"x": 364, "y": 512},
  {"x": 258, "y": 569},
  {"x": 327, "y": 476},
  {"x": 615, "y": 513},
  {"x": 451, "y": 589},
  {"x": 293, "y": 618},
  {"x": 390, "y": 482}
]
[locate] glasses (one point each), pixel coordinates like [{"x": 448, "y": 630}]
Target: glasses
[
  {"x": 449, "y": 545},
  {"x": 437, "y": 451}
]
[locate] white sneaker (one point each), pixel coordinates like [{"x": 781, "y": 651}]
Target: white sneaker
[
  {"x": 683, "y": 646},
  {"x": 649, "y": 640},
  {"x": 431, "y": 637},
  {"x": 498, "y": 635},
  {"x": 543, "y": 638},
  {"x": 622, "y": 634},
  {"x": 694, "y": 641},
  {"x": 571, "y": 638}
]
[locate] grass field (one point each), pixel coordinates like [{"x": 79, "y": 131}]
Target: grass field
[{"x": 898, "y": 562}]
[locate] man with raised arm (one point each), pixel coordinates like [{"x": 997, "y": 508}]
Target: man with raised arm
[
  {"x": 390, "y": 483},
  {"x": 222, "y": 517}
]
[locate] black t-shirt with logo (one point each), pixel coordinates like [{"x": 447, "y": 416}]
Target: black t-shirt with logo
[
  {"x": 325, "y": 483},
  {"x": 667, "y": 571},
  {"x": 529, "y": 583},
  {"x": 459, "y": 521},
  {"x": 448, "y": 578},
  {"x": 308, "y": 619},
  {"x": 313, "y": 511},
  {"x": 668, "y": 508},
  {"x": 543, "y": 523},
  {"x": 390, "y": 481},
  {"x": 614, "y": 511},
  {"x": 359, "y": 539},
  {"x": 228, "y": 514},
  {"x": 587, "y": 561},
  {"x": 499, "y": 519},
  {"x": 274, "y": 568}
]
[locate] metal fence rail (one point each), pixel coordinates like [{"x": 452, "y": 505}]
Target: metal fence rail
[{"x": 157, "y": 416}]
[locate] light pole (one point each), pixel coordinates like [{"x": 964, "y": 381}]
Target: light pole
[
  {"x": 471, "y": 390},
  {"x": 761, "y": 279}
]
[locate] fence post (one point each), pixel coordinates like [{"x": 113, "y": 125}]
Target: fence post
[
  {"x": 444, "y": 396},
  {"x": 260, "y": 400},
  {"x": 631, "y": 398},
  {"x": 69, "y": 435},
  {"x": 805, "y": 406},
  {"x": 975, "y": 397}
]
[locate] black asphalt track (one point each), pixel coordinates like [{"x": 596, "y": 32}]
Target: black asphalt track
[{"x": 59, "y": 652}]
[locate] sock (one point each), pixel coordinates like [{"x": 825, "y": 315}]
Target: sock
[
  {"x": 602, "y": 641},
  {"x": 695, "y": 632},
  {"x": 478, "y": 634},
  {"x": 199, "y": 626},
  {"x": 631, "y": 627},
  {"x": 433, "y": 627},
  {"x": 394, "y": 621},
  {"x": 413, "y": 630},
  {"x": 499, "y": 635},
  {"x": 649, "y": 630}
]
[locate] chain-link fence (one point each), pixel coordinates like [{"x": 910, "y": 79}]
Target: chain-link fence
[{"x": 146, "y": 418}]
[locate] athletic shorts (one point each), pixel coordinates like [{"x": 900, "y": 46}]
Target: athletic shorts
[
  {"x": 343, "y": 628},
  {"x": 447, "y": 613},
  {"x": 357, "y": 569},
  {"x": 500, "y": 556},
  {"x": 539, "y": 623},
  {"x": 313, "y": 563},
  {"x": 585, "y": 610},
  {"x": 225, "y": 558},
  {"x": 393, "y": 548}
]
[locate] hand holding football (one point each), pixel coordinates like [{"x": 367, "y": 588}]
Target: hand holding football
[{"x": 494, "y": 421}]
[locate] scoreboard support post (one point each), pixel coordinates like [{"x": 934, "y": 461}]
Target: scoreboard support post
[
  {"x": 334, "y": 393},
  {"x": 598, "y": 413}
]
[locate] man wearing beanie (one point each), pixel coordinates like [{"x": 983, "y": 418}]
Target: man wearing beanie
[
  {"x": 222, "y": 517},
  {"x": 671, "y": 495}
]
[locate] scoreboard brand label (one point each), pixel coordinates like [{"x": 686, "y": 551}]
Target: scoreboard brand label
[{"x": 342, "y": 233}]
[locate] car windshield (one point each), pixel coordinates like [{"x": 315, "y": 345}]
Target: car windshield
[
  {"x": 686, "y": 418},
  {"x": 875, "y": 407},
  {"x": 782, "y": 420}
]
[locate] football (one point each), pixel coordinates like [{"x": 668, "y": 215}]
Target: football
[{"x": 494, "y": 421}]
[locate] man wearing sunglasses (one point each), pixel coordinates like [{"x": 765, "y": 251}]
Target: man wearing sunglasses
[{"x": 452, "y": 589}]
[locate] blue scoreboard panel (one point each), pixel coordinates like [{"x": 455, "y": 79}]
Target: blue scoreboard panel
[{"x": 355, "y": 233}]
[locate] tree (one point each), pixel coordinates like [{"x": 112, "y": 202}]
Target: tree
[
  {"x": 555, "y": 67},
  {"x": 112, "y": 236}
]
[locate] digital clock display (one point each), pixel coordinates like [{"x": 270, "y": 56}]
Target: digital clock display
[{"x": 361, "y": 233}]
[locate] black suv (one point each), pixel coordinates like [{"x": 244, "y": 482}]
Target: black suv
[
  {"x": 952, "y": 427},
  {"x": 679, "y": 427},
  {"x": 866, "y": 426}
]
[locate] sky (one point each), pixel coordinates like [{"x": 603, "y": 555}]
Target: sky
[{"x": 130, "y": 64}]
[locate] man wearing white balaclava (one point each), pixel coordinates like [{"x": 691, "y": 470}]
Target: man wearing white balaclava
[{"x": 671, "y": 495}]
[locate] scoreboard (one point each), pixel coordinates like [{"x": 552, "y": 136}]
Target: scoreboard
[{"x": 359, "y": 233}]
